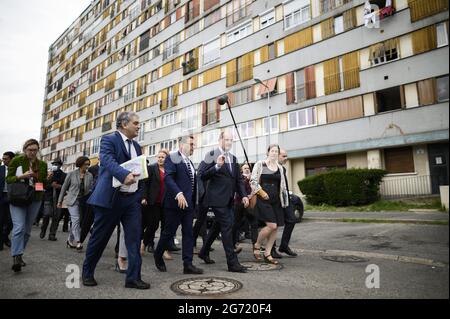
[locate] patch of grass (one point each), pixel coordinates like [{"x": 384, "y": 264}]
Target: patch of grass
[
  {"x": 381, "y": 206},
  {"x": 383, "y": 221}
]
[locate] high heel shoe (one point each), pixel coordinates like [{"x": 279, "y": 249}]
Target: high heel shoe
[
  {"x": 122, "y": 271},
  {"x": 79, "y": 247},
  {"x": 269, "y": 259},
  {"x": 69, "y": 245},
  {"x": 257, "y": 252}
]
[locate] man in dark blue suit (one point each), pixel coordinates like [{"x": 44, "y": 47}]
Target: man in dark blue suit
[
  {"x": 220, "y": 172},
  {"x": 114, "y": 205},
  {"x": 5, "y": 216},
  {"x": 179, "y": 203}
]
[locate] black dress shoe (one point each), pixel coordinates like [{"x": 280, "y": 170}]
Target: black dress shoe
[
  {"x": 42, "y": 234},
  {"x": 192, "y": 270},
  {"x": 22, "y": 263},
  {"x": 275, "y": 254},
  {"x": 7, "y": 243},
  {"x": 237, "y": 268},
  {"x": 287, "y": 251},
  {"x": 89, "y": 282},
  {"x": 206, "y": 259},
  {"x": 150, "y": 249},
  {"x": 52, "y": 238},
  {"x": 160, "y": 264},
  {"x": 17, "y": 265},
  {"x": 173, "y": 248},
  {"x": 137, "y": 284}
]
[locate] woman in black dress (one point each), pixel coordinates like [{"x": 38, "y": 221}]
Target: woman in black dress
[{"x": 271, "y": 189}]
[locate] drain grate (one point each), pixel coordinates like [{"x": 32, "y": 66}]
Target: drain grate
[
  {"x": 345, "y": 259},
  {"x": 206, "y": 286},
  {"x": 257, "y": 266}
]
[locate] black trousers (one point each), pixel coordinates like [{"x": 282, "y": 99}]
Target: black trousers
[
  {"x": 200, "y": 223},
  {"x": 53, "y": 213},
  {"x": 152, "y": 216},
  {"x": 289, "y": 224},
  {"x": 223, "y": 224},
  {"x": 86, "y": 222},
  {"x": 5, "y": 220}
]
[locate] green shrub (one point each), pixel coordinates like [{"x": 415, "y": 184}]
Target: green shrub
[{"x": 350, "y": 187}]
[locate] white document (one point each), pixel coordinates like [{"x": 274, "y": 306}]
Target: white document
[
  {"x": 19, "y": 171},
  {"x": 137, "y": 165}
]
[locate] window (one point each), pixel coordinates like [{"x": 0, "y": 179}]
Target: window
[
  {"x": 300, "y": 86},
  {"x": 267, "y": 19},
  {"x": 144, "y": 41},
  {"x": 273, "y": 125},
  {"x": 129, "y": 92},
  {"x": 296, "y": 12},
  {"x": 271, "y": 51},
  {"x": 442, "y": 88},
  {"x": 442, "y": 37},
  {"x": 211, "y": 51},
  {"x": 169, "y": 145},
  {"x": 384, "y": 52},
  {"x": 239, "y": 33},
  {"x": 212, "y": 18},
  {"x": 141, "y": 134},
  {"x": 399, "y": 160},
  {"x": 168, "y": 119},
  {"x": 192, "y": 30},
  {"x": 302, "y": 118},
  {"x": 96, "y": 145},
  {"x": 237, "y": 10},
  {"x": 210, "y": 137},
  {"x": 321, "y": 164},
  {"x": 211, "y": 112},
  {"x": 152, "y": 150},
  {"x": 389, "y": 99},
  {"x": 246, "y": 130},
  {"x": 338, "y": 24},
  {"x": 243, "y": 96},
  {"x": 190, "y": 117},
  {"x": 171, "y": 47},
  {"x": 152, "y": 125},
  {"x": 346, "y": 109}
]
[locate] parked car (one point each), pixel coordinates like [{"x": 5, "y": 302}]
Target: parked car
[{"x": 298, "y": 206}]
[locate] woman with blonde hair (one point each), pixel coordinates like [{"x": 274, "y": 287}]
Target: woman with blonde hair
[
  {"x": 270, "y": 187},
  {"x": 28, "y": 170}
]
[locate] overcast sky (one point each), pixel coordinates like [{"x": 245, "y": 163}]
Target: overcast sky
[{"x": 27, "y": 29}]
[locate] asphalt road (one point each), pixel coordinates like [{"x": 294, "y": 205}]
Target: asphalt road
[{"x": 307, "y": 276}]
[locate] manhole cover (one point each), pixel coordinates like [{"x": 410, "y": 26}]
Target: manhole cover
[
  {"x": 256, "y": 266},
  {"x": 345, "y": 259},
  {"x": 206, "y": 286}
]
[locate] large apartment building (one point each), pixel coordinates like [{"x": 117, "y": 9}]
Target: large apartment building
[{"x": 335, "y": 84}]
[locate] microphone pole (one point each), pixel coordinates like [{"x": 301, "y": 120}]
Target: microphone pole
[{"x": 224, "y": 100}]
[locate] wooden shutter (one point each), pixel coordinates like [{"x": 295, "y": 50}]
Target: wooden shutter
[
  {"x": 164, "y": 96},
  {"x": 247, "y": 66},
  {"x": 399, "y": 160},
  {"x": 326, "y": 161},
  {"x": 176, "y": 92},
  {"x": 424, "y": 39},
  {"x": 298, "y": 40},
  {"x": 310, "y": 82},
  {"x": 231, "y": 73},
  {"x": 420, "y": 9},
  {"x": 350, "y": 65},
  {"x": 349, "y": 17},
  {"x": 212, "y": 75},
  {"x": 196, "y": 10},
  {"x": 210, "y": 3},
  {"x": 264, "y": 54},
  {"x": 347, "y": 109},
  {"x": 194, "y": 84},
  {"x": 204, "y": 113},
  {"x": 327, "y": 28},
  {"x": 331, "y": 76},
  {"x": 427, "y": 91},
  {"x": 290, "y": 89}
]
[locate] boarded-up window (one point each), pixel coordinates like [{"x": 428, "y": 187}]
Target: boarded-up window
[
  {"x": 231, "y": 72},
  {"x": 298, "y": 40},
  {"x": 327, "y": 28},
  {"x": 212, "y": 75},
  {"x": 399, "y": 160},
  {"x": 317, "y": 165},
  {"x": 349, "y": 19},
  {"x": 350, "y": 65},
  {"x": 290, "y": 89},
  {"x": 331, "y": 76},
  {"x": 427, "y": 92},
  {"x": 424, "y": 8},
  {"x": 347, "y": 109},
  {"x": 424, "y": 39}
]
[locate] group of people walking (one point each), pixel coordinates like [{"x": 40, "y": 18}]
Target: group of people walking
[{"x": 173, "y": 194}]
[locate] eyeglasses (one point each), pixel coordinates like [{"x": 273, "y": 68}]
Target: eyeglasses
[{"x": 33, "y": 150}]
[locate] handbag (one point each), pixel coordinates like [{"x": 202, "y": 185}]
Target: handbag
[{"x": 20, "y": 194}]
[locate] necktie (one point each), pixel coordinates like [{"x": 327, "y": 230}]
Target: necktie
[
  {"x": 129, "y": 147},
  {"x": 191, "y": 173},
  {"x": 227, "y": 159}
]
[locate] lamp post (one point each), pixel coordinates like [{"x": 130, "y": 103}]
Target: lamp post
[{"x": 268, "y": 110}]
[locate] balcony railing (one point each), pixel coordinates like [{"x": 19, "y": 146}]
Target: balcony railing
[{"x": 408, "y": 187}]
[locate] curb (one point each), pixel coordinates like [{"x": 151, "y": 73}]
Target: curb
[{"x": 379, "y": 221}]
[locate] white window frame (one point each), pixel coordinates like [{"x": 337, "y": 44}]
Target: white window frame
[
  {"x": 169, "y": 145},
  {"x": 273, "y": 120},
  {"x": 210, "y": 137},
  {"x": 442, "y": 36},
  {"x": 296, "y": 14},
  {"x": 267, "y": 19},
  {"x": 169, "y": 119},
  {"x": 152, "y": 125},
  {"x": 239, "y": 33},
  {"x": 211, "y": 55},
  {"x": 141, "y": 134},
  {"x": 96, "y": 145},
  {"x": 297, "y": 113},
  {"x": 246, "y": 129},
  {"x": 152, "y": 150},
  {"x": 190, "y": 115}
]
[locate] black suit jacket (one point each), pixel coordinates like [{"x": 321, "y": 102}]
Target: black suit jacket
[
  {"x": 2, "y": 180},
  {"x": 220, "y": 185},
  {"x": 152, "y": 184}
]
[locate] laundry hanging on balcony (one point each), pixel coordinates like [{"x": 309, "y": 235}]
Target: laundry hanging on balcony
[{"x": 372, "y": 15}]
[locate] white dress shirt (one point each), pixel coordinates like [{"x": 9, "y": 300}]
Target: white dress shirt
[
  {"x": 227, "y": 159},
  {"x": 133, "y": 187}
]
